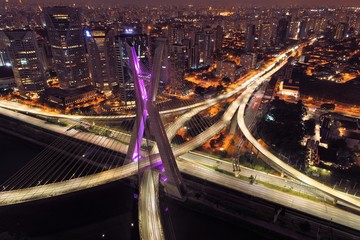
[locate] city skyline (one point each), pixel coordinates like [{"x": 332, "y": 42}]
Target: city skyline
[
  {"x": 282, "y": 3},
  {"x": 248, "y": 114}
]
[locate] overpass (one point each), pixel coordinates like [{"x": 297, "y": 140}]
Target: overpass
[
  {"x": 77, "y": 184},
  {"x": 58, "y": 188},
  {"x": 42, "y": 191},
  {"x": 277, "y": 163}
]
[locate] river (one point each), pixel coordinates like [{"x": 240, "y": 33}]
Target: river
[{"x": 106, "y": 212}]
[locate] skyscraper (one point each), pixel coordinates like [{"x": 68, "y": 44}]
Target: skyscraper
[
  {"x": 265, "y": 35},
  {"x": 282, "y": 32},
  {"x": 100, "y": 46},
  {"x": 67, "y": 46},
  {"x": 303, "y": 29},
  {"x": 249, "y": 37},
  {"x": 24, "y": 54},
  {"x": 204, "y": 48},
  {"x": 199, "y": 49},
  {"x": 294, "y": 29},
  {"x": 209, "y": 46},
  {"x": 340, "y": 32},
  {"x": 124, "y": 80},
  {"x": 219, "y": 35}
]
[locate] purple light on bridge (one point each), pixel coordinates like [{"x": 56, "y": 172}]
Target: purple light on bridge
[
  {"x": 140, "y": 80},
  {"x": 141, "y": 85},
  {"x": 143, "y": 91},
  {"x": 136, "y": 157},
  {"x": 164, "y": 178}
]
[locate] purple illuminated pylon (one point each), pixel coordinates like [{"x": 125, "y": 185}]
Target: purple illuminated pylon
[
  {"x": 146, "y": 108},
  {"x": 136, "y": 155},
  {"x": 164, "y": 178},
  {"x": 140, "y": 80}
]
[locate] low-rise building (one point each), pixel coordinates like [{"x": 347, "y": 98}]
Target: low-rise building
[
  {"x": 7, "y": 80},
  {"x": 70, "y": 97},
  {"x": 226, "y": 69},
  {"x": 289, "y": 87},
  {"x": 312, "y": 153}
]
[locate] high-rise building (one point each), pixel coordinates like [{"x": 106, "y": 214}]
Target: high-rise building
[
  {"x": 248, "y": 61},
  {"x": 67, "y": 45},
  {"x": 282, "y": 32},
  {"x": 209, "y": 46},
  {"x": 204, "y": 48},
  {"x": 199, "y": 49},
  {"x": 303, "y": 29},
  {"x": 22, "y": 48},
  {"x": 101, "y": 49},
  {"x": 178, "y": 64},
  {"x": 340, "y": 32},
  {"x": 4, "y": 58},
  {"x": 219, "y": 35},
  {"x": 320, "y": 25},
  {"x": 265, "y": 35},
  {"x": 226, "y": 69},
  {"x": 294, "y": 29},
  {"x": 125, "y": 83},
  {"x": 249, "y": 38},
  {"x": 176, "y": 34}
]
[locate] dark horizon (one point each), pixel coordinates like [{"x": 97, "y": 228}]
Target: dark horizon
[{"x": 280, "y": 3}]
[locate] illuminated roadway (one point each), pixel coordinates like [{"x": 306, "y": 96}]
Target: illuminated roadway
[
  {"x": 319, "y": 209},
  {"x": 54, "y": 189},
  {"x": 149, "y": 214},
  {"x": 278, "y": 163},
  {"x": 295, "y": 185}
]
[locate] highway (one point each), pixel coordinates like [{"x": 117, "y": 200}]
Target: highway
[
  {"x": 42, "y": 191},
  {"x": 247, "y": 172},
  {"x": 54, "y": 189},
  {"x": 278, "y": 163},
  {"x": 150, "y": 226},
  {"x": 102, "y": 141},
  {"x": 319, "y": 209}
]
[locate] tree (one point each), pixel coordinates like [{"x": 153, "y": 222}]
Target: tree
[
  {"x": 310, "y": 127},
  {"x": 226, "y": 80},
  {"x": 199, "y": 90},
  {"x": 212, "y": 143},
  {"x": 178, "y": 139}
]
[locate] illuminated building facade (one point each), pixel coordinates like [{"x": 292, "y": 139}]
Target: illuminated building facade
[
  {"x": 294, "y": 29},
  {"x": 312, "y": 152},
  {"x": 67, "y": 46},
  {"x": 101, "y": 49},
  {"x": 289, "y": 87},
  {"x": 124, "y": 80},
  {"x": 21, "y": 47},
  {"x": 248, "y": 61},
  {"x": 250, "y": 38},
  {"x": 265, "y": 35},
  {"x": 341, "y": 30},
  {"x": 226, "y": 69}
]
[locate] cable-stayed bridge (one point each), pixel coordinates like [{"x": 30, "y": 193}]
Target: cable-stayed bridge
[{"x": 88, "y": 155}]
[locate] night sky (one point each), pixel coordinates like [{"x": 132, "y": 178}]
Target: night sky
[{"x": 219, "y": 2}]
